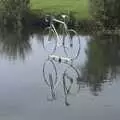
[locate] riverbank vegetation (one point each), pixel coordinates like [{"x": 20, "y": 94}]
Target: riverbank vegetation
[
  {"x": 82, "y": 12},
  {"x": 80, "y": 8}
]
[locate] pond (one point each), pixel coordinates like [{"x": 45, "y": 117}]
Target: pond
[{"x": 35, "y": 87}]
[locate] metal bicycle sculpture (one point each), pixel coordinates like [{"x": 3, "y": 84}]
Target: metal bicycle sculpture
[
  {"x": 68, "y": 79},
  {"x": 69, "y": 39}
]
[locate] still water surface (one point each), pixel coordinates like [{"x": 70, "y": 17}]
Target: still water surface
[{"x": 24, "y": 95}]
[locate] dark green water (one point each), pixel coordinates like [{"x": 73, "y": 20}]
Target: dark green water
[{"x": 90, "y": 90}]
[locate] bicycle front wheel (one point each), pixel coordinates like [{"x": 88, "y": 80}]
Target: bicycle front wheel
[
  {"x": 72, "y": 44},
  {"x": 50, "y": 40},
  {"x": 49, "y": 69}
]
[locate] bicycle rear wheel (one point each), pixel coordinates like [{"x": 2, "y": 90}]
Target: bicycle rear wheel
[
  {"x": 49, "y": 40},
  {"x": 72, "y": 44},
  {"x": 70, "y": 79}
]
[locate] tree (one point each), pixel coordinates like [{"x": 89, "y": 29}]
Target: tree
[
  {"x": 107, "y": 12},
  {"x": 13, "y": 11}
]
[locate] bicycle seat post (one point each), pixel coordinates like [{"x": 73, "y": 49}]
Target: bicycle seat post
[{"x": 49, "y": 18}]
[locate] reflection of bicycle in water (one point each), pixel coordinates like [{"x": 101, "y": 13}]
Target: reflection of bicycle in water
[
  {"x": 69, "y": 38},
  {"x": 70, "y": 79},
  {"x": 50, "y": 77}
]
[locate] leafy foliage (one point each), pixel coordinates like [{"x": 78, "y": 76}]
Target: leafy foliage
[
  {"x": 107, "y": 12},
  {"x": 13, "y": 10}
]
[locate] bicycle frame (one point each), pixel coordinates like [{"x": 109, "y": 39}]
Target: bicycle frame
[
  {"x": 54, "y": 29},
  {"x": 61, "y": 40}
]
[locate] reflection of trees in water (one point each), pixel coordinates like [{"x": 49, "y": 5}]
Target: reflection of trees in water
[
  {"x": 15, "y": 44},
  {"x": 103, "y": 60},
  {"x": 102, "y": 66}
]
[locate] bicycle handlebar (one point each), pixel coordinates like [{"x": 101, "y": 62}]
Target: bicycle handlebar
[{"x": 51, "y": 19}]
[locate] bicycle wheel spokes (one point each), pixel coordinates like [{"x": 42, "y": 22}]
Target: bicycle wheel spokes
[
  {"x": 72, "y": 44},
  {"x": 50, "y": 40}
]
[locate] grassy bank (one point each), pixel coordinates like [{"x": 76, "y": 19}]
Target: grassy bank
[
  {"x": 80, "y": 8},
  {"x": 38, "y": 8}
]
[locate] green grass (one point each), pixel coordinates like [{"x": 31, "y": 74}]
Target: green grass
[{"x": 80, "y": 8}]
